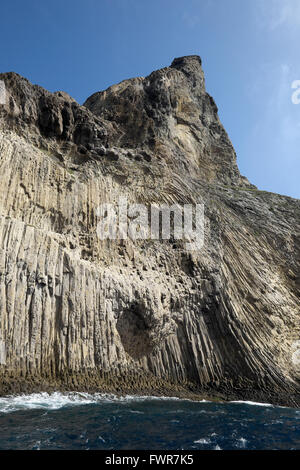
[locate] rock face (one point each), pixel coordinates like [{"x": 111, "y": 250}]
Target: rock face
[{"x": 143, "y": 316}]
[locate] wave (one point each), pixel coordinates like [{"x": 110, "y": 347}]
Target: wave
[
  {"x": 203, "y": 441},
  {"x": 241, "y": 402},
  {"x": 57, "y": 400}
]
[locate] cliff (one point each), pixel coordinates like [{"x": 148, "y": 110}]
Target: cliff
[{"x": 147, "y": 315}]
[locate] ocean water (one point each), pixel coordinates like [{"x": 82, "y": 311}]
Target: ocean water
[{"x": 82, "y": 421}]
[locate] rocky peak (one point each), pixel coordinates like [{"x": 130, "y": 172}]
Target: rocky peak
[
  {"x": 191, "y": 66},
  {"x": 187, "y": 62},
  {"x": 167, "y": 115},
  {"x": 170, "y": 114}
]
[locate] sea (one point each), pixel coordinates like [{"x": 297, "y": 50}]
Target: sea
[{"x": 82, "y": 421}]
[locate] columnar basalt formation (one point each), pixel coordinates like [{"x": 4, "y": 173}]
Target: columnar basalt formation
[{"x": 144, "y": 316}]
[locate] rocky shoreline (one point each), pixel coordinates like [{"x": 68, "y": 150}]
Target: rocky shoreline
[{"x": 141, "y": 386}]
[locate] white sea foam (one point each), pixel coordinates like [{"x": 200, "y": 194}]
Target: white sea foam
[
  {"x": 251, "y": 403},
  {"x": 203, "y": 441},
  {"x": 57, "y": 400},
  {"x": 242, "y": 442}
]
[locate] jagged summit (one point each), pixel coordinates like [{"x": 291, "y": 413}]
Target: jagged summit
[
  {"x": 191, "y": 65},
  {"x": 169, "y": 115},
  {"x": 141, "y": 316},
  {"x": 187, "y": 60}
]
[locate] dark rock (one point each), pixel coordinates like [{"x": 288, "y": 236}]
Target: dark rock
[
  {"x": 82, "y": 149},
  {"x": 112, "y": 154},
  {"x": 50, "y": 118},
  {"x": 146, "y": 156},
  {"x": 100, "y": 149}
]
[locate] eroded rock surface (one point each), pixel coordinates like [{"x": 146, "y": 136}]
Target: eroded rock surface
[{"x": 147, "y": 316}]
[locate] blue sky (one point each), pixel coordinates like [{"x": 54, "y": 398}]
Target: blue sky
[{"x": 249, "y": 49}]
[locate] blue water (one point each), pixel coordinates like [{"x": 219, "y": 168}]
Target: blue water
[{"x": 82, "y": 421}]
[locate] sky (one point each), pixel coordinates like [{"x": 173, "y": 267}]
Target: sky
[{"x": 249, "y": 51}]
